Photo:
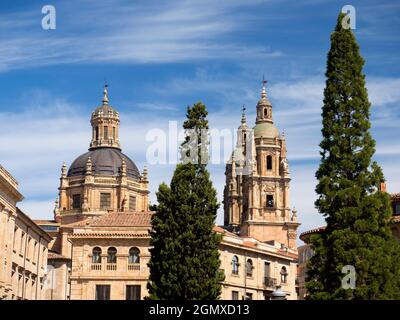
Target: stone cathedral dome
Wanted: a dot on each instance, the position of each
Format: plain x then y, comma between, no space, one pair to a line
105,161
104,153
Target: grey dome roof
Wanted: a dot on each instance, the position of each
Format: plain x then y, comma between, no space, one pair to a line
105,161
266,130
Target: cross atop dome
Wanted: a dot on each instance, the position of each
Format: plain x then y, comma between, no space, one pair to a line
263,90
243,114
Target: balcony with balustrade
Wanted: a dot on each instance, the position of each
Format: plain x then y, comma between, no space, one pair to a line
270,283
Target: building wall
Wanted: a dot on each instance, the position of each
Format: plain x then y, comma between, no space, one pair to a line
23,247
57,280
86,275
259,283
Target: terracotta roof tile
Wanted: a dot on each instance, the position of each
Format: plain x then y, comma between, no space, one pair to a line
122,219
249,244
52,255
76,224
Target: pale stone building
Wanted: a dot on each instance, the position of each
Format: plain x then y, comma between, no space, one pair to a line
100,246
23,247
256,195
254,269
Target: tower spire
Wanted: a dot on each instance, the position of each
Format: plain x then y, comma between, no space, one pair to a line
105,95
263,90
243,115
105,124
264,107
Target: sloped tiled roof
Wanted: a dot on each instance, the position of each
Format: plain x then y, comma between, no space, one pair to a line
52,255
122,219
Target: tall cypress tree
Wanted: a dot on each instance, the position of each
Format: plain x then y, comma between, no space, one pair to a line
184,260
357,213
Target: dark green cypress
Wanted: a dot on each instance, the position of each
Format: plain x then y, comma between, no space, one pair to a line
184,260
357,213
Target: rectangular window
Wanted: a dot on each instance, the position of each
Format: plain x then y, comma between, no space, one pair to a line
235,295
22,244
397,208
29,249
270,201
249,296
133,292
15,239
105,200
76,201
35,251
103,292
114,133
97,133
269,162
132,203
105,133
266,269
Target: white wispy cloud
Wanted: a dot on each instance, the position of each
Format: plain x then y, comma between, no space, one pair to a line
139,32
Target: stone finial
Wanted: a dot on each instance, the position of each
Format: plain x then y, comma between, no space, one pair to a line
89,166
145,173
285,165
294,214
56,210
124,204
105,95
85,205
64,170
123,168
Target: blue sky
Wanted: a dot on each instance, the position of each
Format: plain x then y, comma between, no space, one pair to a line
160,56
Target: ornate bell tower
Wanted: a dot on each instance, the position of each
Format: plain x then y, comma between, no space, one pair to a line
105,125
256,195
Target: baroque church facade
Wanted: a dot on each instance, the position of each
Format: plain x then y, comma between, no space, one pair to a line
256,195
100,231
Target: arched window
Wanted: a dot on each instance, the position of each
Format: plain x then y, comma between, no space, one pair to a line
112,255
96,255
235,265
269,162
284,275
134,255
265,113
97,133
249,268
